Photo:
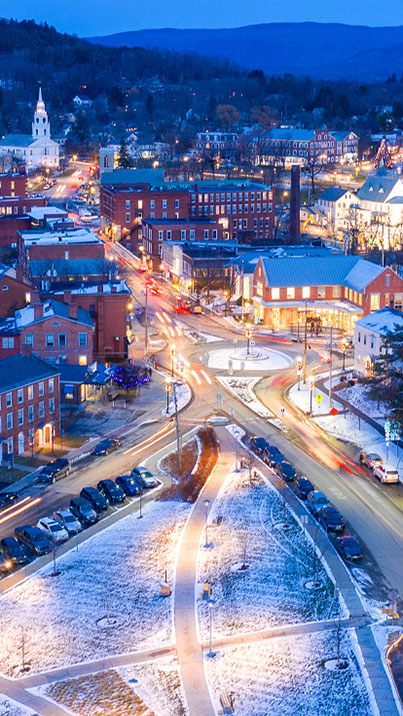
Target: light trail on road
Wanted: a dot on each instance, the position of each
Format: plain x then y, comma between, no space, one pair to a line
24,508
206,376
152,440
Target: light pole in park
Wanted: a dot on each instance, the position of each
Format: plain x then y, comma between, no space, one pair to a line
343,352
172,359
299,371
249,335
168,391
206,504
311,389
210,609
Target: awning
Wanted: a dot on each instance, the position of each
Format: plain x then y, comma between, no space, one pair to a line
306,305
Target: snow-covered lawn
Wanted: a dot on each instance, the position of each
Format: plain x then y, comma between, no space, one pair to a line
357,395
346,425
242,388
157,690
262,359
114,576
183,397
9,707
272,589
288,677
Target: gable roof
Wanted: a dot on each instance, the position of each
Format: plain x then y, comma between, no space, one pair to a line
350,271
377,188
333,193
17,140
293,135
382,321
51,309
19,370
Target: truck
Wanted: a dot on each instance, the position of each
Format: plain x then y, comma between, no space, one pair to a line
184,305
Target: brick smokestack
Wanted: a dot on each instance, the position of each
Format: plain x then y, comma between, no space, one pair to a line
295,203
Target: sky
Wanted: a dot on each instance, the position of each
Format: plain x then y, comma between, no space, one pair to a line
103,17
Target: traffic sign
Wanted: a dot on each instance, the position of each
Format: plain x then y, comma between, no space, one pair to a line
282,411
252,343
333,411
319,399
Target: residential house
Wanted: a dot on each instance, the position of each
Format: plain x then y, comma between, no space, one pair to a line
369,337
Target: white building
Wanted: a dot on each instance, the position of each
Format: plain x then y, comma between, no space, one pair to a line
37,149
369,337
334,205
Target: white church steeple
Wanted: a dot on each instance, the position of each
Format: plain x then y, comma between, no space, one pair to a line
41,124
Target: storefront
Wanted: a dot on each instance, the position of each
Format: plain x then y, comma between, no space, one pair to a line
317,315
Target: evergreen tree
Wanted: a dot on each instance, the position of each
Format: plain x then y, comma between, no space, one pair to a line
124,160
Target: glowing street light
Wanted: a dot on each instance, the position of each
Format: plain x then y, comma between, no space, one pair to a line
172,359
299,371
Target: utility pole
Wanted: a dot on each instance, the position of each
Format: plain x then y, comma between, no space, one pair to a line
242,297
305,339
146,322
177,430
331,367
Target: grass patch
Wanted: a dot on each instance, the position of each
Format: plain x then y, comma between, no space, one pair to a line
194,473
31,463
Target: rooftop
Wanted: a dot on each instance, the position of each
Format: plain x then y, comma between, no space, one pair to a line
132,176
46,237
19,370
88,287
41,212
332,270
378,188
195,221
333,193
76,268
382,321
51,308
17,140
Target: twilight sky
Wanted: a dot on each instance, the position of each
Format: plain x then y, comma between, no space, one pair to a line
103,17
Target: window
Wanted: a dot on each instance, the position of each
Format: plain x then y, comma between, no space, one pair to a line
9,421
82,360
140,204
259,288
206,234
365,339
28,293
387,299
82,339
127,218
42,409
21,416
66,255
169,234
30,391
20,395
275,294
214,234
387,280
62,340
51,385
374,302
176,203
41,388
152,204
7,342
50,340
359,337
9,400
290,292
30,413
4,288
306,291
191,234
29,339
336,291
51,405
164,203
398,300
321,292
127,203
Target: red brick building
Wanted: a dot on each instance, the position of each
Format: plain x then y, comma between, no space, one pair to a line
297,146
13,184
334,290
245,209
108,303
15,292
63,245
57,332
29,404
155,231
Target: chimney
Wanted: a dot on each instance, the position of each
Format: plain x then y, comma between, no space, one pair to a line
67,297
73,311
19,272
295,203
38,311
34,297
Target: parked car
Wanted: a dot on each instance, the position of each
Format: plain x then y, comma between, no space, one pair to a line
348,547
302,487
386,473
129,485
54,470
12,550
259,445
315,501
97,499
106,446
144,477
68,521
33,539
8,499
285,470
273,455
331,519
112,492
53,529
84,511
5,565
370,459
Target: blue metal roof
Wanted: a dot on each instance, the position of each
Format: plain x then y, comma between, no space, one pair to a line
19,370
350,271
377,188
333,193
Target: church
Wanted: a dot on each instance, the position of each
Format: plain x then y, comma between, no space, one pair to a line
36,149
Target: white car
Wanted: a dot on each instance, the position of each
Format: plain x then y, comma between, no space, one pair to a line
386,473
67,520
53,529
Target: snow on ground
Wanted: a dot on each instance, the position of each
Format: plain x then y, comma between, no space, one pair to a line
346,425
157,690
116,574
9,707
271,590
357,395
262,359
242,388
183,397
285,677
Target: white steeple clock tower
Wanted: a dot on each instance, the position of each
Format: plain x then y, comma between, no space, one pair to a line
41,124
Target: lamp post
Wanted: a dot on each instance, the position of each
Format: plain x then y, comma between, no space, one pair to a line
172,359
343,351
140,516
210,608
248,339
132,683
206,504
299,371
311,389
168,391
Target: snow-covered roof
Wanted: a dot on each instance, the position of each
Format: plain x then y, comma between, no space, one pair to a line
41,212
73,236
26,316
17,140
331,270
382,321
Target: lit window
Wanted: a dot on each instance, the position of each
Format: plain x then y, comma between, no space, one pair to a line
321,291
374,302
290,292
82,360
306,292
30,391
275,294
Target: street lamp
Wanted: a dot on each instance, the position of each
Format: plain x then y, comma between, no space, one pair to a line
132,683
311,389
172,359
299,371
343,350
210,608
168,391
248,338
206,504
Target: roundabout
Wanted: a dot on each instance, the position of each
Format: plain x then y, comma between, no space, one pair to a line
257,359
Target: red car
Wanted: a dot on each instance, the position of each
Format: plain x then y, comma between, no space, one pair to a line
73,186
